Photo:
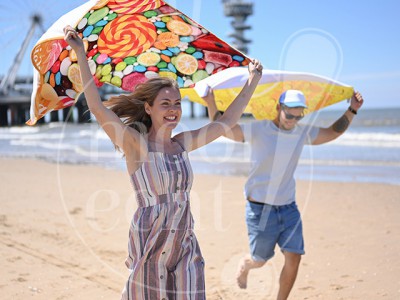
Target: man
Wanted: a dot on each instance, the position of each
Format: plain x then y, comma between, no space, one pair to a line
272,215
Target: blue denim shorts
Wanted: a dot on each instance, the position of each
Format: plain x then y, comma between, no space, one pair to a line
269,225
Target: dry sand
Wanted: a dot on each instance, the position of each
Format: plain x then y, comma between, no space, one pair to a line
64,232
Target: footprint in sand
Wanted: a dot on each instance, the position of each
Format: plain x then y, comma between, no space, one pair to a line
307,288
14,259
3,221
337,287
75,211
21,279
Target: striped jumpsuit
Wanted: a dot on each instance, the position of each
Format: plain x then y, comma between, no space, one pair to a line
164,256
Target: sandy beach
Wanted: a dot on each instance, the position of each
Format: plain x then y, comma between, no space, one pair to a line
64,232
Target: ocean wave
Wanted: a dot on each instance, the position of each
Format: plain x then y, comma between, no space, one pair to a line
60,147
350,163
368,139
36,136
98,134
305,162
373,139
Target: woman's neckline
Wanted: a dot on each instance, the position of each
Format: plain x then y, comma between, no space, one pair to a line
184,152
172,154
182,149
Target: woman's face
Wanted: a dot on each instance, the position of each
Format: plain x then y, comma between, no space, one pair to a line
166,111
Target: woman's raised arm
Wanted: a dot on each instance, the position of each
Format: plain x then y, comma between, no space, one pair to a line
197,138
123,136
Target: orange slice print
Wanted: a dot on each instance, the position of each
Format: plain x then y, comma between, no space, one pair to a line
169,39
148,59
179,27
186,64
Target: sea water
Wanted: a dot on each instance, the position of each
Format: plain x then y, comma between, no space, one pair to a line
369,151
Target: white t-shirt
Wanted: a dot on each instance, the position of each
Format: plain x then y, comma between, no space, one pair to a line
274,157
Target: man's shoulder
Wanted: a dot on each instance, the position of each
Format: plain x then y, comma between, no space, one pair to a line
308,131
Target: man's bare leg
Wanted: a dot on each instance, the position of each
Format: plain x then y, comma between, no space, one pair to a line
245,265
288,274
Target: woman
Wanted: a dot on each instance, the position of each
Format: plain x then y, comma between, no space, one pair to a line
164,255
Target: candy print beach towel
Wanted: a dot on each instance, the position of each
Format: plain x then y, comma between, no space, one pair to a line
127,42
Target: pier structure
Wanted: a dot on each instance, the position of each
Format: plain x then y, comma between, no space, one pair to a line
15,91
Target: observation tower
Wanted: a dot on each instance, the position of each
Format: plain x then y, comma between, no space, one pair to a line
239,10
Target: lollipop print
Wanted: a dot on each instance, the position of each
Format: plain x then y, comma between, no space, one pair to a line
133,6
127,36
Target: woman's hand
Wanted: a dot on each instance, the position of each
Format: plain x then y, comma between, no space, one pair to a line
73,39
255,68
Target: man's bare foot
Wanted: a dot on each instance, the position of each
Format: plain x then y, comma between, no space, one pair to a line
243,271
245,265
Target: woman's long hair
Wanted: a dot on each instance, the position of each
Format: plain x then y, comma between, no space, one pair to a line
130,107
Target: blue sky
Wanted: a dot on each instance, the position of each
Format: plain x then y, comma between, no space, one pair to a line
356,42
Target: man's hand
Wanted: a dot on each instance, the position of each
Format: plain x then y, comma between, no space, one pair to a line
213,112
356,101
210,97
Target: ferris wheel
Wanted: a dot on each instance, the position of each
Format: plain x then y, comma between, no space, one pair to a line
21,25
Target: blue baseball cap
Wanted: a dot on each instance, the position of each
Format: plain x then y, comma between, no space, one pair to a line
293,98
